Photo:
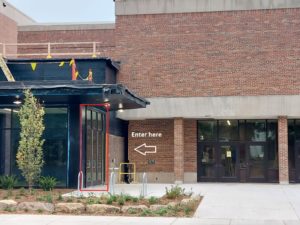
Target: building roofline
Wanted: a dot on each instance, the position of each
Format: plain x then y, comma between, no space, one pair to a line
16,15
68,26
139,7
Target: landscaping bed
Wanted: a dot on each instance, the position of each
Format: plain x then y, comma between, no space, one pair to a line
175,203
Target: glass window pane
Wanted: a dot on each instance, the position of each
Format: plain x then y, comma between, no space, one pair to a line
297,130
272,130
228,160
207,159
56,144
256,130
291,141
228,130
207,130
256,161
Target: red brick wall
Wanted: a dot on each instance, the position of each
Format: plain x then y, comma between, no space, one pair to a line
178,149
210,54
8,33
190,146
106,37
164,158
283,156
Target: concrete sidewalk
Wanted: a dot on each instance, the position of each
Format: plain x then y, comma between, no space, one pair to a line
101,220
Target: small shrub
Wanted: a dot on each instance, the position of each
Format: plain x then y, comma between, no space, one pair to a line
32,192
8,182
132,211
152,200
9,209
92,200
109,201
113,198
127,197
22,192
40,211
174,192
187,210
60,198
46,198
121,200
17,196
146,212
47,183
69,200
135,199
161,212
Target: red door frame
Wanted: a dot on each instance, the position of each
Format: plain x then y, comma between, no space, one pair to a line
107,108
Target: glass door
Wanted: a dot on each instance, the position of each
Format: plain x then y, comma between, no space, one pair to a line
229,163
297,162
256,163
95,147
207,162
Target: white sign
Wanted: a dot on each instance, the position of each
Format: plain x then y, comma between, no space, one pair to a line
145,135
146,149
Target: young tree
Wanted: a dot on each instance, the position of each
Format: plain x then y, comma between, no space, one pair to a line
30,152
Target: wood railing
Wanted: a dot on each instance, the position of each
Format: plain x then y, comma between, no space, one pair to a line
52,50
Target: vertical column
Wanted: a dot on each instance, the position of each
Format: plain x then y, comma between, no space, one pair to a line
283,154
178,150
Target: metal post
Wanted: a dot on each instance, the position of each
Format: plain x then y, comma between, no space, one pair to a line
49,51
94,50
144,187
80,178
112,183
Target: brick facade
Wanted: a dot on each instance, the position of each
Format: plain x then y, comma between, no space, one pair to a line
210,54
105,37
164,158
283,156
8,33
179,150
190,146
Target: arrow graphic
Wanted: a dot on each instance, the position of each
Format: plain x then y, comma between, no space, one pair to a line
144,149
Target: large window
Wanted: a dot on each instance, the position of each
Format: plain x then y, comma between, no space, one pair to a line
207,130
55,147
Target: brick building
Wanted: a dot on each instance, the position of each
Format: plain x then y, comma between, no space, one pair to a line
222,79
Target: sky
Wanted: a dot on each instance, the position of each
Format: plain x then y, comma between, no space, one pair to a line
59,11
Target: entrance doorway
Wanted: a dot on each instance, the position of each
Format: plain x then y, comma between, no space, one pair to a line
218,162
94,142
232,162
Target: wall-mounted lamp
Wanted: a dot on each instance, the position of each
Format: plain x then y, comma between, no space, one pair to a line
17,101
228,122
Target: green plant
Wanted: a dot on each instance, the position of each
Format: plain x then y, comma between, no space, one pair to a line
30,153
45,198
127,197
152,200
8,182
32,192
174,192
92,200
69,200
146,212
187,210
109,201
22,192
161,212
47,183
121,200
135,199
113,197
132,211
60,198
40,211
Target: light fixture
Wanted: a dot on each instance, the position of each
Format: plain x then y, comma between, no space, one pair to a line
17,101
120,106
106,100
120,110
228,122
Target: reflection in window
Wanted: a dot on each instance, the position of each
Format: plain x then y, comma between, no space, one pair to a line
228,130
207,161
56,144
256,130
207,130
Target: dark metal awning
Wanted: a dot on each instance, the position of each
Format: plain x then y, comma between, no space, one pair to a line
72,92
